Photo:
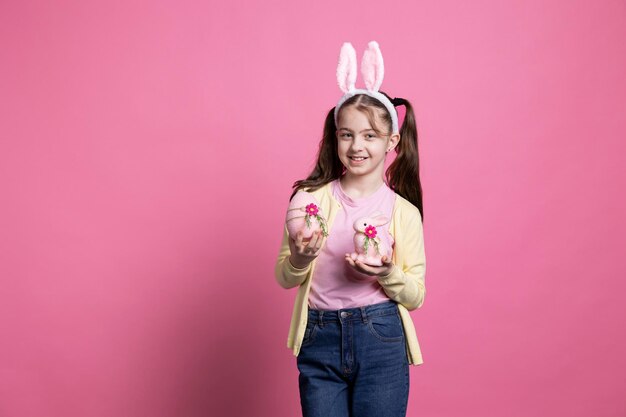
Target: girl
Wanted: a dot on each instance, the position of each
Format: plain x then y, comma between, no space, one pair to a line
350,329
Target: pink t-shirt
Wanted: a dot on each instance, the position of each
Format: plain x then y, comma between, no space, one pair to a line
335,284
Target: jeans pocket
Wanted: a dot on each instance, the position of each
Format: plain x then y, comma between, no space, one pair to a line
309,334
387,328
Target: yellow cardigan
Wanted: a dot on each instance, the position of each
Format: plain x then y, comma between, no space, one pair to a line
405,283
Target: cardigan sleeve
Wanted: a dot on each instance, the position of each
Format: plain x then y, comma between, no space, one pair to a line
405,283
287,275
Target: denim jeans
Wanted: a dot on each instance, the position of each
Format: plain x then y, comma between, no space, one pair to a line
353,362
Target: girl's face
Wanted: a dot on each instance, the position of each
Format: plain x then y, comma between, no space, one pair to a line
360,149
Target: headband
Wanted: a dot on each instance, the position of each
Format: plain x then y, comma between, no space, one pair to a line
373,71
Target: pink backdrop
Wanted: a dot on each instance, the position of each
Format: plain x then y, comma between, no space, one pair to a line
148,151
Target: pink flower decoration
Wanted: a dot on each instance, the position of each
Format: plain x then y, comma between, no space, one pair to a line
370,231
311,209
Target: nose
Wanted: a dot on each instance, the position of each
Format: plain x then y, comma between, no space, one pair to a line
357,143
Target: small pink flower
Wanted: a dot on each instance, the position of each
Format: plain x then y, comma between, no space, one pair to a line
370,231
311,209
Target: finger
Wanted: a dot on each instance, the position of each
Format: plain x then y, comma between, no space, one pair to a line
364,268
313,246
316,244
292,246
314,239
359,265
320,242
299,239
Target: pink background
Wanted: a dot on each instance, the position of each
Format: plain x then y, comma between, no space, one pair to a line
148,150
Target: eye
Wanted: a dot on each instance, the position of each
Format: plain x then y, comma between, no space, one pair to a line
343,135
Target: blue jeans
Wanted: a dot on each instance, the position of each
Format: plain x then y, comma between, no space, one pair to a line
353,362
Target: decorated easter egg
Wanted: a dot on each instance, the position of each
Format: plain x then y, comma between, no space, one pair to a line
304,214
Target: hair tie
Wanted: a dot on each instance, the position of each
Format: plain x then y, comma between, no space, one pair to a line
373,72
397,101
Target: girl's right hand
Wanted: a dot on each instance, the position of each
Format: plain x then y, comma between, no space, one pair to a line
302,254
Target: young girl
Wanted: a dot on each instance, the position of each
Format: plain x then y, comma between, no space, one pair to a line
350,329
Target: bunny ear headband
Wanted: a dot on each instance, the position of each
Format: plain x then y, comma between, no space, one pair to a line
373,71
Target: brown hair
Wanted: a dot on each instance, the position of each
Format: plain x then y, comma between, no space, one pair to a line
403,173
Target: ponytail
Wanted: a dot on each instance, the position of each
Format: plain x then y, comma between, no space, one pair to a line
403,174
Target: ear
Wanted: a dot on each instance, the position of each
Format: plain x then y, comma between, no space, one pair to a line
380,220
393,141
372,66
346,69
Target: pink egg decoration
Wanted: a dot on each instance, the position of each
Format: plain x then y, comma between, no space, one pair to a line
371,242
304,214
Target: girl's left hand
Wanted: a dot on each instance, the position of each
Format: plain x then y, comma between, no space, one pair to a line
379,271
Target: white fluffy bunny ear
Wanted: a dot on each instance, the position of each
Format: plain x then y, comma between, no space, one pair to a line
381,220
346,69
372,66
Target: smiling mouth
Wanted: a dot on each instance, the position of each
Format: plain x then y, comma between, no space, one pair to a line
361,158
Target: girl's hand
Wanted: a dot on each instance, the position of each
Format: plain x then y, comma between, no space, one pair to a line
302,254
377,271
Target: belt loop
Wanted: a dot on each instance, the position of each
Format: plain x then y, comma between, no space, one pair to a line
320,318
363,314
